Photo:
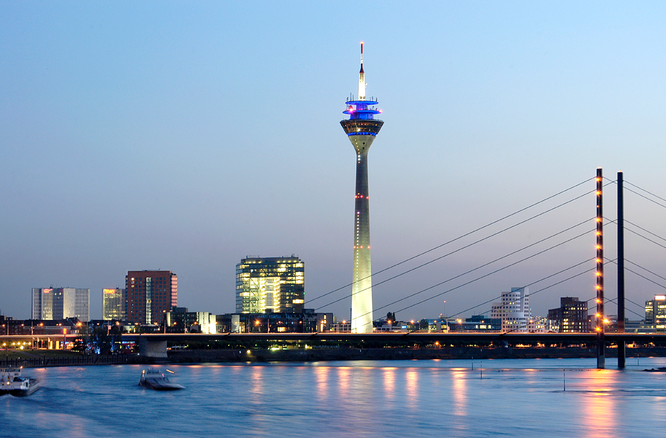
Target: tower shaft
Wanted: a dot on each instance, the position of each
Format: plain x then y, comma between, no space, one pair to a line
361,317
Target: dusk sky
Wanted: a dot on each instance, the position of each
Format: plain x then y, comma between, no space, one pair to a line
185,136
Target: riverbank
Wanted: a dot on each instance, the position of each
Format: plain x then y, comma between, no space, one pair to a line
51,358
336,354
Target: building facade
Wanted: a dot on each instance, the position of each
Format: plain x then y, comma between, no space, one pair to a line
150,294
272,284
114,304
655,313
570,317
307,321
514,310
60,303
180,320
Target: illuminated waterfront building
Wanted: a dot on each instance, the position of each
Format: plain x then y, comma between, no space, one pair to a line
571,316
150,294
271,284
361,129
180,320
114,304
514,310
61,303
655,313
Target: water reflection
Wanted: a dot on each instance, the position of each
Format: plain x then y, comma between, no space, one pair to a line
459,398
391,398
389,384
321,383
412,388
599,403
256,383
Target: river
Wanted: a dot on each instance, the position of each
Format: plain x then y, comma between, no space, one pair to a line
524,397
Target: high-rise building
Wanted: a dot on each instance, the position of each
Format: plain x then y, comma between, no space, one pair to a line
514,310
114,304
150,294
655,312
61,303
272,284
571,316
361,129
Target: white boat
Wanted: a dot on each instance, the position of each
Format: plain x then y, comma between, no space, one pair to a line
13,383
156,380
6,377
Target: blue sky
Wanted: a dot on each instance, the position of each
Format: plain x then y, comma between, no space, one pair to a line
185,136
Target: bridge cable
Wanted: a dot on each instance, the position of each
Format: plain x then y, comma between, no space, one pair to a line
468,234
646,238
540,280
647,231
471,281
481,266
471,244
646,191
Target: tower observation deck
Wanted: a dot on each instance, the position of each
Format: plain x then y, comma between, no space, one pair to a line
361,129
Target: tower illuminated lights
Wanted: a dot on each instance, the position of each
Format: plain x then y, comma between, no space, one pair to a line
361,129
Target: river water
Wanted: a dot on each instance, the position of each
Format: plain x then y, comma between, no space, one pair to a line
543,397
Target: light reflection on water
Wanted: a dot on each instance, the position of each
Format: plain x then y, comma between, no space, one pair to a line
599,418
455,398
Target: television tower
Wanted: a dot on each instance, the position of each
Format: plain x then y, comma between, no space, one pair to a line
361,128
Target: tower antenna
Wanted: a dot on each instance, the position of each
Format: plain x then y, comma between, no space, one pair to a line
361,78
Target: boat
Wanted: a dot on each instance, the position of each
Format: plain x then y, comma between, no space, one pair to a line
6,377
154,379
15,384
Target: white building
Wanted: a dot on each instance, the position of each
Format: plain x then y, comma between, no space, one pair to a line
61,303
514,310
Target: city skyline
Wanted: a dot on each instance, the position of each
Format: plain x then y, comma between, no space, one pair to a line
124,123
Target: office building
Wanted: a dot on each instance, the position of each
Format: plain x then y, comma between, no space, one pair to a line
273,284
114,304
60,303
180,320
655,313
570,317
361,129
307,321
514,310
150,294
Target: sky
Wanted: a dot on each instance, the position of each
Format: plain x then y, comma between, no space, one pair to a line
185,136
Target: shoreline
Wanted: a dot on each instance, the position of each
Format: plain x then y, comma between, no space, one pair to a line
262,355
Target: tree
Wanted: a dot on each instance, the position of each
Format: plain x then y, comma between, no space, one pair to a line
423,324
